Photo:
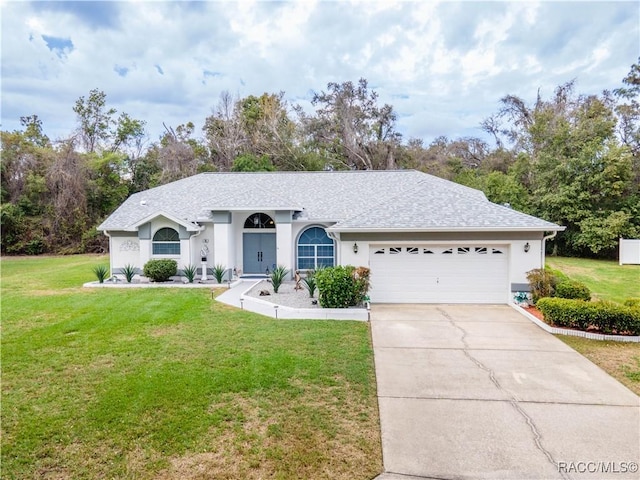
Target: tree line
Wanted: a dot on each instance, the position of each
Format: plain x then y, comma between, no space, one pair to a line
572,159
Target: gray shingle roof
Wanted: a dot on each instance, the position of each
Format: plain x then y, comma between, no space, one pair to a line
425,208
404,199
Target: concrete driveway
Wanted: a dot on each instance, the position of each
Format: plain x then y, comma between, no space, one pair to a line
480,392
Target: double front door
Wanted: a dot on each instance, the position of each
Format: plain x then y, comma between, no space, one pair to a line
259,252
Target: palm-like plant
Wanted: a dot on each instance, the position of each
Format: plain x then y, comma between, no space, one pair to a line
277,277
310,282
129,271
218,272
190,272
101,272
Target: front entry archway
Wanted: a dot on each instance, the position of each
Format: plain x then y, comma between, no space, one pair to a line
259,245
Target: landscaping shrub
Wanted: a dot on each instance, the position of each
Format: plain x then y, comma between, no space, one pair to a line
560,276
542,283
218,272
572,289
190,272
102,272
342,286
632,302
310,282
129,272
277,277
160,270
607,317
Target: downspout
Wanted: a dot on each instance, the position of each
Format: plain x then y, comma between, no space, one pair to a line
191,244
110,256
544,244
336,238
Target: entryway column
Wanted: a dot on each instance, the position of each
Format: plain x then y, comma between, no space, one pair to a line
284,242
222,240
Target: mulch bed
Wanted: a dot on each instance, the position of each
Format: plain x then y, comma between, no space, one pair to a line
535,312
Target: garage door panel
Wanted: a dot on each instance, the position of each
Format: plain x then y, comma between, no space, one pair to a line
439,274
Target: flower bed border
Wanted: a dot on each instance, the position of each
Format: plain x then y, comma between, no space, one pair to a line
576,333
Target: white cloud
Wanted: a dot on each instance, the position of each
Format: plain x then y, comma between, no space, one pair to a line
443,65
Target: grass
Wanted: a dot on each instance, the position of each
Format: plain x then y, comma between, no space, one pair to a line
166,383
606,279
621,360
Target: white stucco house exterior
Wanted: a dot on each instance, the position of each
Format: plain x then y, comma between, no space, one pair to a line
425,239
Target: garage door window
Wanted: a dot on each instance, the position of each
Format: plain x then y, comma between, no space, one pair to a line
315,249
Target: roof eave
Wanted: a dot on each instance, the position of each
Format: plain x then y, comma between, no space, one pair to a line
551,228
188,224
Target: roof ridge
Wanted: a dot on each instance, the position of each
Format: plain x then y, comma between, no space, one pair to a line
303,172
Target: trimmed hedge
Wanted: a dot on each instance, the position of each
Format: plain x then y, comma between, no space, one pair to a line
160,270
572,289
632,302
607,317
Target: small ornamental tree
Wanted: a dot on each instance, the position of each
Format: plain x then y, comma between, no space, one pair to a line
542,283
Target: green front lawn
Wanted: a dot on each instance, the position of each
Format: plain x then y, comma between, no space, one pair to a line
166,383
621,360
606,279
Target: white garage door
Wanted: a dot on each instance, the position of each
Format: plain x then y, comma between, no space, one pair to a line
439,274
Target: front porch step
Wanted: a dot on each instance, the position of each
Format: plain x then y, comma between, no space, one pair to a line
254,276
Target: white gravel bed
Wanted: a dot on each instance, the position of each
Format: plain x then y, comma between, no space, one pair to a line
287,296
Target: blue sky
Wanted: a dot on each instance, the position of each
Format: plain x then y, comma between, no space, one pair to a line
442,65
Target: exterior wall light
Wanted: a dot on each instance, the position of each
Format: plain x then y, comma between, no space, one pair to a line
355,248
527,247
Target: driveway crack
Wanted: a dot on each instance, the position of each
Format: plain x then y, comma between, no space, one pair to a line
513,400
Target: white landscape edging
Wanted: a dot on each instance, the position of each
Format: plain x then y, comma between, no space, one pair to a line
270,309
144,285
575,333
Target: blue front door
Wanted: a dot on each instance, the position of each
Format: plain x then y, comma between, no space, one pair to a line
259,252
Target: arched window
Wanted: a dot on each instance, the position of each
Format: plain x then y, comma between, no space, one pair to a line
259,220
315,249
166,241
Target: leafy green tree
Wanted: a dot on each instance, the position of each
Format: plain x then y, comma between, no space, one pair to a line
99,130
570,160
129,134
251,163
33,131
106,188
145,170
600,233
95,119
629,109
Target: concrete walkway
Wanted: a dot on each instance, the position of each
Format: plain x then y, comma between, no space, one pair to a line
479,392
237,297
